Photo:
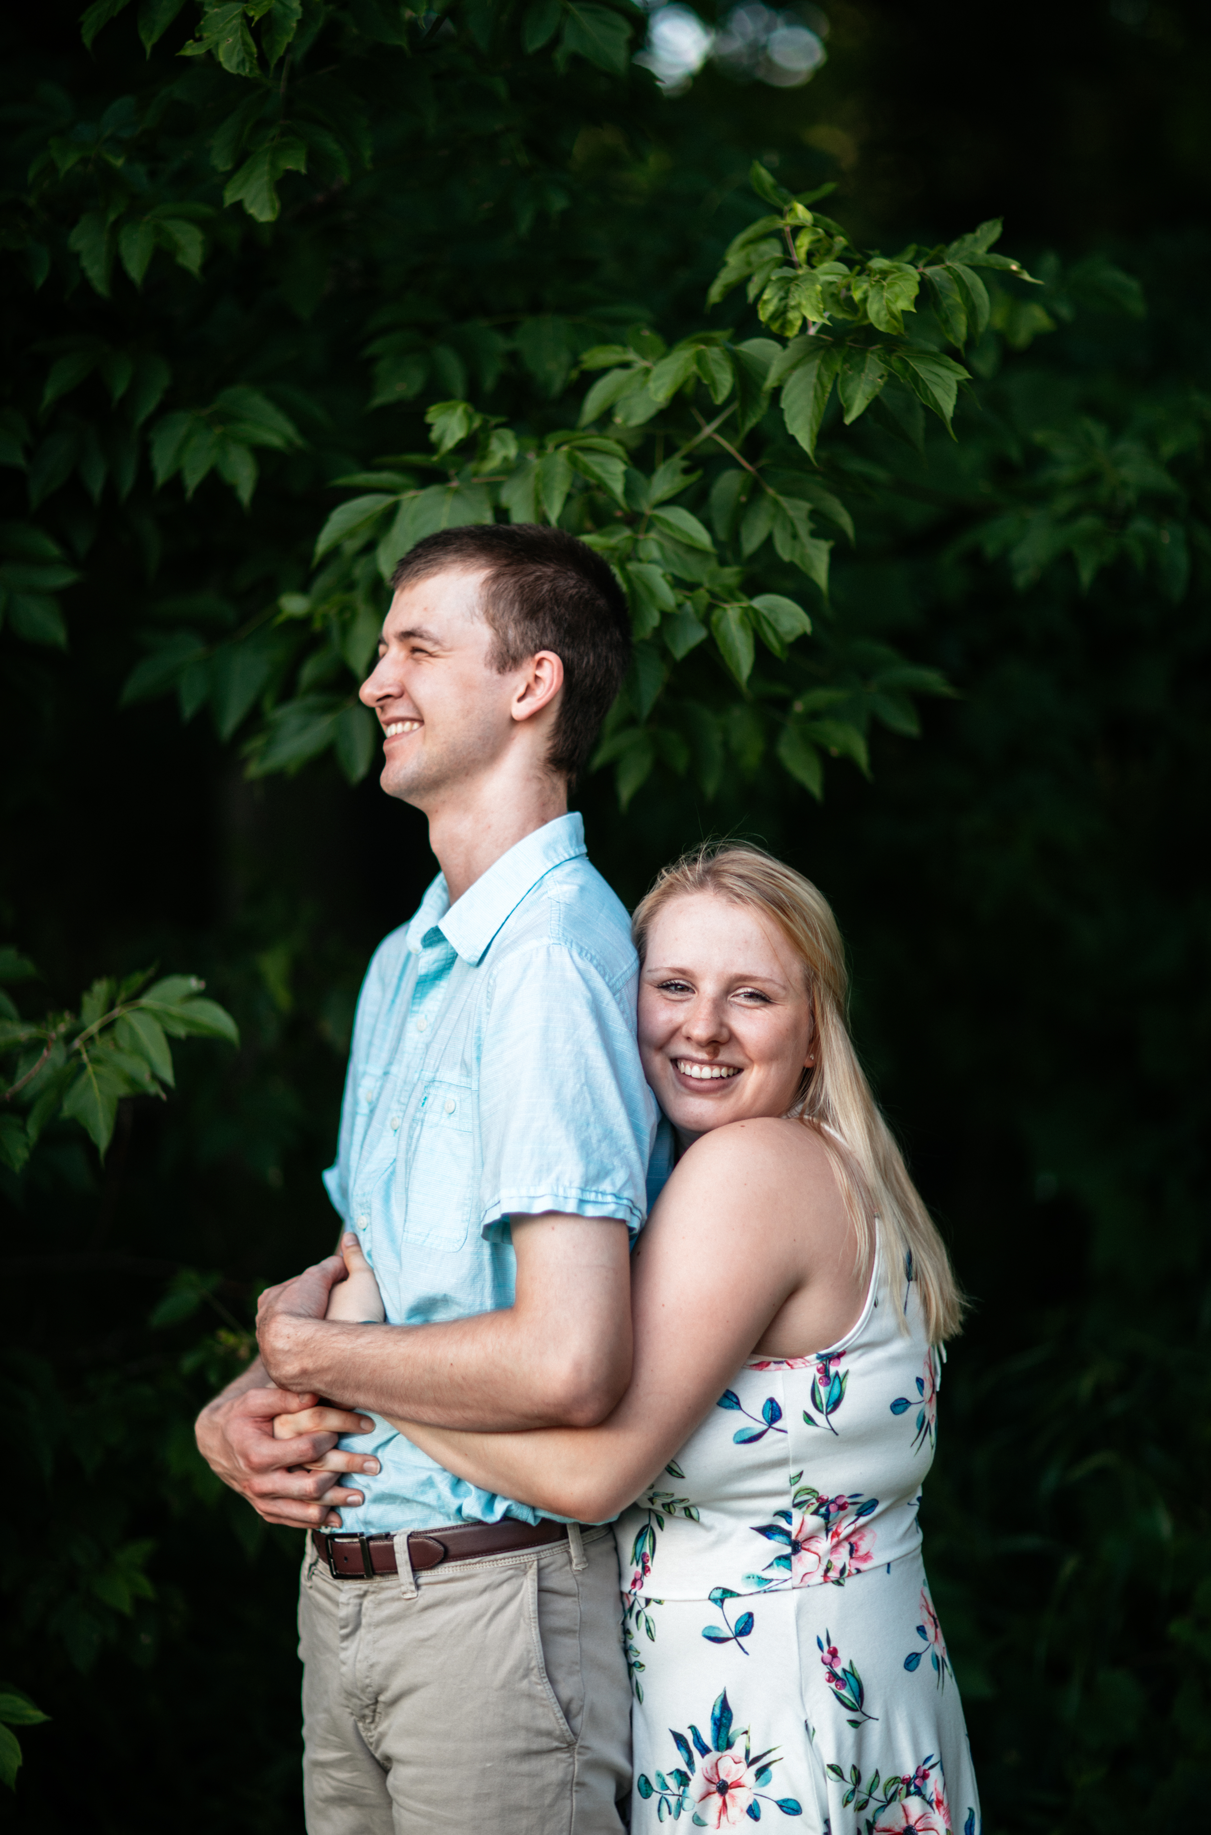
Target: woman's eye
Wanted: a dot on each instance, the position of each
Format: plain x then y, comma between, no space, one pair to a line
752,994
674,987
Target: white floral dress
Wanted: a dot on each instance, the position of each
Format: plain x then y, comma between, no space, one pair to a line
786,1657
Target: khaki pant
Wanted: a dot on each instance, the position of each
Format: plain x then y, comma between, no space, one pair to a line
485,1695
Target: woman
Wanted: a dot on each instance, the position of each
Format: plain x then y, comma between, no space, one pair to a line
785,1655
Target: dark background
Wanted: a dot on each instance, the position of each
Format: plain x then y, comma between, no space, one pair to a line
1024,891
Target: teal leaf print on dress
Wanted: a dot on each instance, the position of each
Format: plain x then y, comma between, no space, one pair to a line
845,1682
827,1391
716,1784
762,1424
926,1404
935,1643
910,1805
734,1633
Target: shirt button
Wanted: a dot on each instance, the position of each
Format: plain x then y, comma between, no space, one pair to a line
421,1023
395,1121
451,1105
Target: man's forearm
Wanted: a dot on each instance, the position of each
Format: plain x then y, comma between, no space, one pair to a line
486,1372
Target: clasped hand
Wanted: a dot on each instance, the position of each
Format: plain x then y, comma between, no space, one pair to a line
277,1445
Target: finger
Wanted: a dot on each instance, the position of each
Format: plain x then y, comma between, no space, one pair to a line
257,1403
266,1456
301,1486
354,1258
296,1516
337,1461
320,1420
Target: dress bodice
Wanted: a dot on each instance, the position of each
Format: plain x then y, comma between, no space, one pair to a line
807,1470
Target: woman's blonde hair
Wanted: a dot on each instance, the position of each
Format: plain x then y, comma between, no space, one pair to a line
834,1098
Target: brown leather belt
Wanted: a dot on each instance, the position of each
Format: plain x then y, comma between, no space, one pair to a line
358,1557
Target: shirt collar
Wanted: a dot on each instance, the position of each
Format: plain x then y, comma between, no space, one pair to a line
470,924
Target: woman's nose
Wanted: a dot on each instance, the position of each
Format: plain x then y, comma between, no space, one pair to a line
705,1023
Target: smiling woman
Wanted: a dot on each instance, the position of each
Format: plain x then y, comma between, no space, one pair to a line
790,1296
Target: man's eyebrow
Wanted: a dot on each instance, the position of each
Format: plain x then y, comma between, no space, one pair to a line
414,631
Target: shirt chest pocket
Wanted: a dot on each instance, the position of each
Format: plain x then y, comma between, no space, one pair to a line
440,1186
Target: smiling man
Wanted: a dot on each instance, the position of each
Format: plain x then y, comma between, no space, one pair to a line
463,1664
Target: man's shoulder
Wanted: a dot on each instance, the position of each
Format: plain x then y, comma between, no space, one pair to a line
573,909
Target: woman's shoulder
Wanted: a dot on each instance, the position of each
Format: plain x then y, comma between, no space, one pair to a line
767,1150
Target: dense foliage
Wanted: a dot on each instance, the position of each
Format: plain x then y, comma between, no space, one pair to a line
347,272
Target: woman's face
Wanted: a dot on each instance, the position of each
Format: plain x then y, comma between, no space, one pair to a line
725,1022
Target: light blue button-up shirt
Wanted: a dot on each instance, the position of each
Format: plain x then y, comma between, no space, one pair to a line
494,1070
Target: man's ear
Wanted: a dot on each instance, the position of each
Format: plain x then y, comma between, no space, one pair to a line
540,681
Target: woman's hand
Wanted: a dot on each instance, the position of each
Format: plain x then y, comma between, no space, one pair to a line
356,1299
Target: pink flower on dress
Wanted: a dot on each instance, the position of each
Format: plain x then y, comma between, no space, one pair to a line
780,1363
933,1630
911,1813
810,1546
724,1792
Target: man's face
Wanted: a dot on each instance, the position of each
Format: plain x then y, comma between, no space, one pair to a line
443,707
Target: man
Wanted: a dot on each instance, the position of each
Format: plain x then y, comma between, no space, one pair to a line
462,1657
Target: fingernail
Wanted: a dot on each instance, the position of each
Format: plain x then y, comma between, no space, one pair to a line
370,1465
366,1424
355,1497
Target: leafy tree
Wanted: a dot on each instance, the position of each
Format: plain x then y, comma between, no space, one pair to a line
266,263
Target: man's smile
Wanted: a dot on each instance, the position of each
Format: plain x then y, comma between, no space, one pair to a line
401,726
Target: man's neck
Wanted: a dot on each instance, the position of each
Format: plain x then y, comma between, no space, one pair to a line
471,831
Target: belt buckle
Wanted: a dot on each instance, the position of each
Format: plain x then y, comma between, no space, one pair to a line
363,1541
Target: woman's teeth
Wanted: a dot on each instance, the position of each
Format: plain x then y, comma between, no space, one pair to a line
400,726
707,1073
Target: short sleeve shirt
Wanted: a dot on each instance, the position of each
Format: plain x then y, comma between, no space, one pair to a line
494,1072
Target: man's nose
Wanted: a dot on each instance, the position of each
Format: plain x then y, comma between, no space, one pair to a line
377,685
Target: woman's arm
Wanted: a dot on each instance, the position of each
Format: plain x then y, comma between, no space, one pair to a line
751,1219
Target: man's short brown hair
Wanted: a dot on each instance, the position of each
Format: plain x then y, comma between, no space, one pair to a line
544,591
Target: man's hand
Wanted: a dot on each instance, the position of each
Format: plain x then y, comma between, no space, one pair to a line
280,1311
236,1438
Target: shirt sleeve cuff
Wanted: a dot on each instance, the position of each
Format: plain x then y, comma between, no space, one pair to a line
494,1223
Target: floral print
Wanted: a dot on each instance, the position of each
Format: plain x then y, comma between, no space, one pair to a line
935,1643
716,1784
926,1403
778,1566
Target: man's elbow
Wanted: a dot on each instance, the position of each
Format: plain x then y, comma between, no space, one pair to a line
583,1389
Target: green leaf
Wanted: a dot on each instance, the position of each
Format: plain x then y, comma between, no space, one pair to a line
670,373
357,734
10,1746
651,596
634,767
92,1100
155,17
781,620
239,671
975,298
254,185
254,418
600,468
805,395
683,631
683,527
933,378
37,619
608,389
14,966
766,186
67,373
160,671
519,492
282,22
184,241
151,377
733,634
863,373
91,21
538,24
171,990
598,34
799,756
92,240
842,739
978,242
356,517
14,1149
949,304
140,1031
450,423
206,1018
296,731
554,483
